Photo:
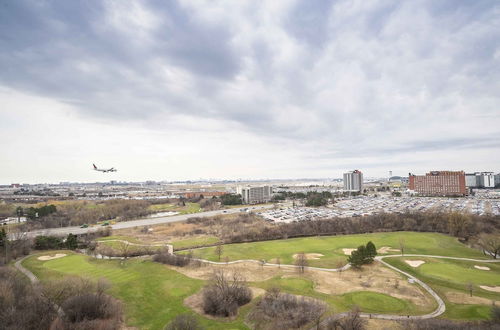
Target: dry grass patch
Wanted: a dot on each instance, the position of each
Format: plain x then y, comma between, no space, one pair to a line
464,298
250,270
374,278
310,256
387,249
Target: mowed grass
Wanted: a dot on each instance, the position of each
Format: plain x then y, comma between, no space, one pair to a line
152,294
194,242
454,275
331,247
120,238
187,209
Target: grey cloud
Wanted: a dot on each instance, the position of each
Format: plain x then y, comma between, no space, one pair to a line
346,77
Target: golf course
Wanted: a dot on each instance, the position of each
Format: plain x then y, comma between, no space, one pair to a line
153,293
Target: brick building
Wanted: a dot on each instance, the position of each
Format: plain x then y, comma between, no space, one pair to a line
439,183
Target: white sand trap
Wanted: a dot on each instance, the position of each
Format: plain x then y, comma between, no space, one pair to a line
481,267
490,288
310,256
387,249
415,263
56,256
348,252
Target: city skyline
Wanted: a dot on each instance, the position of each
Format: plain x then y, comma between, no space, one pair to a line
277,90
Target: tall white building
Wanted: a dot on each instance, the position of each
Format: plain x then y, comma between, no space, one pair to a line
253,195
487,180
353,181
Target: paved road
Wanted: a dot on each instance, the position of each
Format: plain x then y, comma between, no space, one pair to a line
26,272
143,222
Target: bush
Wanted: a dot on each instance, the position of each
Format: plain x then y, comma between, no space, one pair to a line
278,310
172,259
48,243
223,296
184,322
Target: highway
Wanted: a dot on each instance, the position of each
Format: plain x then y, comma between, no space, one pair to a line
143,221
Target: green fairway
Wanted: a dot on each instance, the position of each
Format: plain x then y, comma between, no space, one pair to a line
467,312
187,209
120,238
194,242
331,247
373,302
152,293
454,275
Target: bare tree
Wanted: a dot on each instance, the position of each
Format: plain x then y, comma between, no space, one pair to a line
278,261
490,243
470,287
352,321
402,245
124,248
301,262
219,249
223,295
340,267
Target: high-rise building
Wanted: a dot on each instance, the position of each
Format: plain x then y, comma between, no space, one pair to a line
487,180
353,181
253,195
439,183
480,180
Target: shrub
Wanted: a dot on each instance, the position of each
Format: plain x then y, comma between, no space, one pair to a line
184,322
223,295
172,259
278,310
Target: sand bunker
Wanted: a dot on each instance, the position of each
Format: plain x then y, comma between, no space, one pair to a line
490,288
348,252
387,249
481,267
415,263
56,256
310,256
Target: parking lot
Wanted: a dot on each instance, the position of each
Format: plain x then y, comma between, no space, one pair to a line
363,206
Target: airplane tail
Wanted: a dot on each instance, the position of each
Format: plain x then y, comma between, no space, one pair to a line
95,167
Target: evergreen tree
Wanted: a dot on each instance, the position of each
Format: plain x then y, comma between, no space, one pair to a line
371,251
3,237
71,242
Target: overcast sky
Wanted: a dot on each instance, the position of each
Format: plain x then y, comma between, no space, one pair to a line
173,90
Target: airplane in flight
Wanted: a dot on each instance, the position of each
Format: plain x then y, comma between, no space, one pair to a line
104,170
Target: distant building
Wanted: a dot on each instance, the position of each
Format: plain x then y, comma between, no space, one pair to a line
204,194
253,195
471,180
487,180
439,183
497,180
480,180
353,181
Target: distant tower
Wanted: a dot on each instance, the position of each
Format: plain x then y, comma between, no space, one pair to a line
390,174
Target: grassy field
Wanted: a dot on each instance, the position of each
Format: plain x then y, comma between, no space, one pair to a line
187,209
121,238
152,293
453,276
331,247
193,242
